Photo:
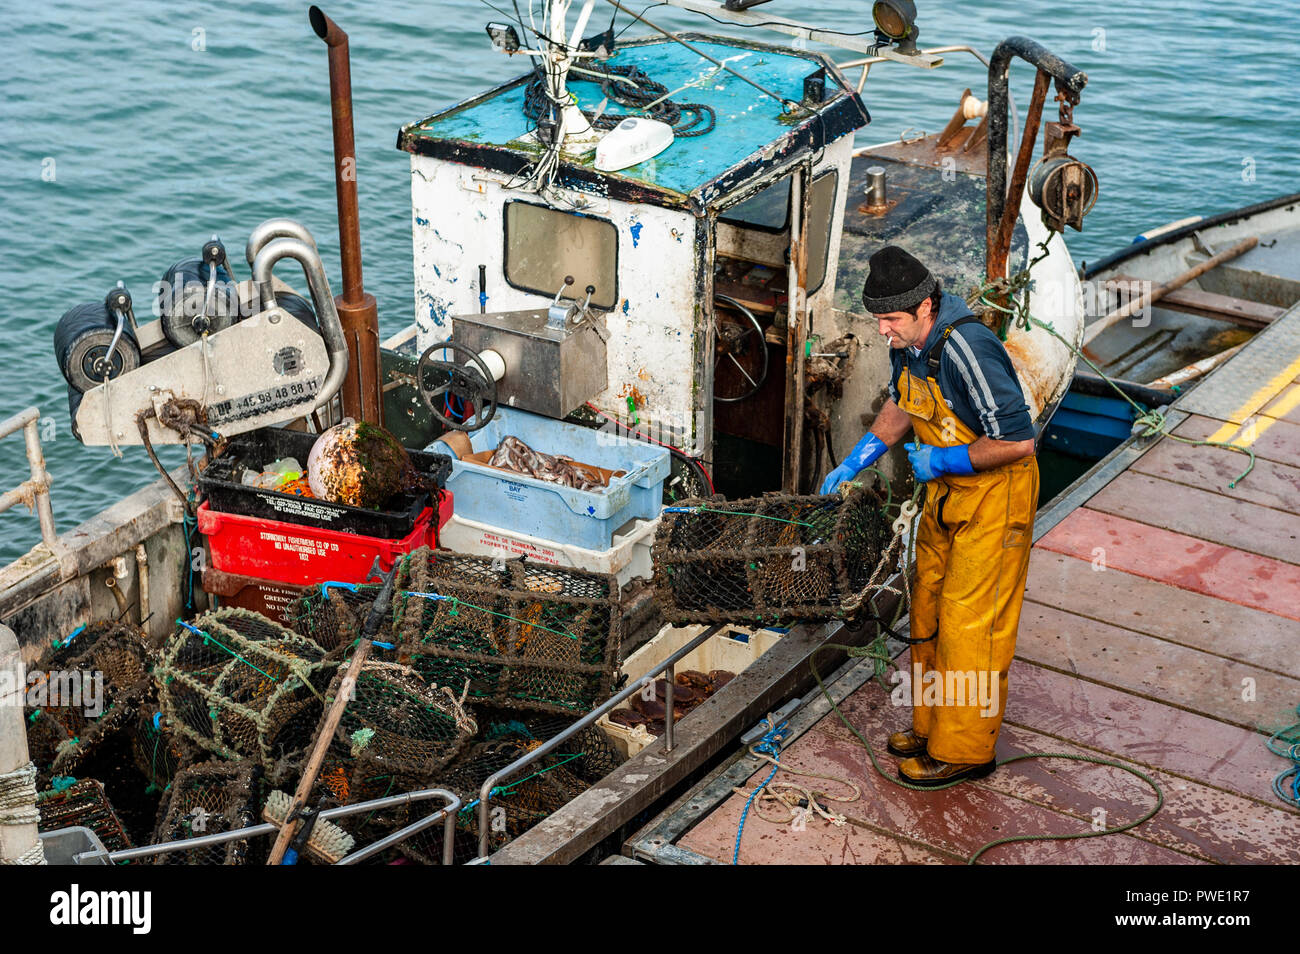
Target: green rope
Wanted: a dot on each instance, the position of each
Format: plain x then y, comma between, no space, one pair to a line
504,789
209,638
744,513
866,651
1152,420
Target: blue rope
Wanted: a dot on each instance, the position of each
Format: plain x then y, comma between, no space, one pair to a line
1287,749
64,643
770,744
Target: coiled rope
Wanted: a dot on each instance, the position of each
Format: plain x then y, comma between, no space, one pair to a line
18,807
633,89
1285,743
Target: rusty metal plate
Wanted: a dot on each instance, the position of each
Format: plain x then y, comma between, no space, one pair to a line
1109,720
1275,440
1185,562
1212,468
1197,819
955,822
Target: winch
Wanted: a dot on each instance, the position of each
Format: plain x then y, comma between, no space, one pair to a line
222,356
548,361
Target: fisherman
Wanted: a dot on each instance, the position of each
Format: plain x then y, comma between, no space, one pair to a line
952,384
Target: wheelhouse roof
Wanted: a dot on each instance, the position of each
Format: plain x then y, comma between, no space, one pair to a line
753,131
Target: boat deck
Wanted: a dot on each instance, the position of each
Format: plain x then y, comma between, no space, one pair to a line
1161,629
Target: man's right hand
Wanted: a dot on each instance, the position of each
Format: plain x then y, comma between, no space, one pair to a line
868,450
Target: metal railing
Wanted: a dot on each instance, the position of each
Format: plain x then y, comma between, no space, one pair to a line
35,493
667,667
446,814
866,64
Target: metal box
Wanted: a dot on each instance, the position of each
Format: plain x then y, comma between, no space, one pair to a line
550,371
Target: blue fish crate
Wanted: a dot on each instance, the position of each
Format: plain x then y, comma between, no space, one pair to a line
585,518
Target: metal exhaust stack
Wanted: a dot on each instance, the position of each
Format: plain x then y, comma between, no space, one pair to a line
357,310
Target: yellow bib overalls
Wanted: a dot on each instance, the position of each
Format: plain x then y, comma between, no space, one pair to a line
972,557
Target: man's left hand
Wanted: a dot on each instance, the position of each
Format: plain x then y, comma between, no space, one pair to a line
929,461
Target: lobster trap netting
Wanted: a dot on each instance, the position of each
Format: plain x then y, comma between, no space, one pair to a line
158,751
772,559
518,804
83,803
516,634
87,688
239,685
208,799
396,725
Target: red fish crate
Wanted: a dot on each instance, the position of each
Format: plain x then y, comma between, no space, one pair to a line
302,555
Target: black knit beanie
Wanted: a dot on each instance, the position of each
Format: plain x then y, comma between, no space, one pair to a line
896,281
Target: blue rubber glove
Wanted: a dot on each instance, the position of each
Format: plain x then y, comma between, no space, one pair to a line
866,453
929,462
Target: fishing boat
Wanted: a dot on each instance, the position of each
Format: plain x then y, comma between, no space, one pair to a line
1168,309
650,249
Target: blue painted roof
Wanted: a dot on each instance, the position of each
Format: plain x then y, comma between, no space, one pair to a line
747,119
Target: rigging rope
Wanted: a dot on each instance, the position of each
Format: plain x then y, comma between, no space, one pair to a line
1018,315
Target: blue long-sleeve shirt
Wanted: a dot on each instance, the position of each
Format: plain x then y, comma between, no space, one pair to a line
976,376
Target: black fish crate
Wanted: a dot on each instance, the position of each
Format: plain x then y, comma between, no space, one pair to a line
767,560
220,483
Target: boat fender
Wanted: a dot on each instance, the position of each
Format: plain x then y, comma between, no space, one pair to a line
81,342
182,293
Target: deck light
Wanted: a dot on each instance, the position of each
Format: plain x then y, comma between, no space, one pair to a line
896,19
504,37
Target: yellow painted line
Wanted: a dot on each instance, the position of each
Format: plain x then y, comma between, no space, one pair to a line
1258,400
1289,401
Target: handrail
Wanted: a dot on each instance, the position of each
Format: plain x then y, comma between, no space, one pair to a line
447,814
327,316
35,492
485,791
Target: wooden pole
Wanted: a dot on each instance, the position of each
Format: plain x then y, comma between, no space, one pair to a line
1125,311
378,610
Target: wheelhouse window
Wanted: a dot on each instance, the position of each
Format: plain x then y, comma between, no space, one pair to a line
543,245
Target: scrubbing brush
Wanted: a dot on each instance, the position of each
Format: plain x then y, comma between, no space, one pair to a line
326,841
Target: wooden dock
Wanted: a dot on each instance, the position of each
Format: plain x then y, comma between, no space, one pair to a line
1161,629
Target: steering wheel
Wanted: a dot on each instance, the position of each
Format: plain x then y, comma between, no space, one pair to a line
741,345
470,382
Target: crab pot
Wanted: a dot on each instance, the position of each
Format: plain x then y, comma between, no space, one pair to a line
396,724
84,803
769,560
518,634
93,686
159,753
208,799
539,791
241,686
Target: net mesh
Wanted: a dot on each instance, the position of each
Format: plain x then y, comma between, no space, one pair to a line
84,803
517,634
770,559
239,685
519,802
208,799
87,688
